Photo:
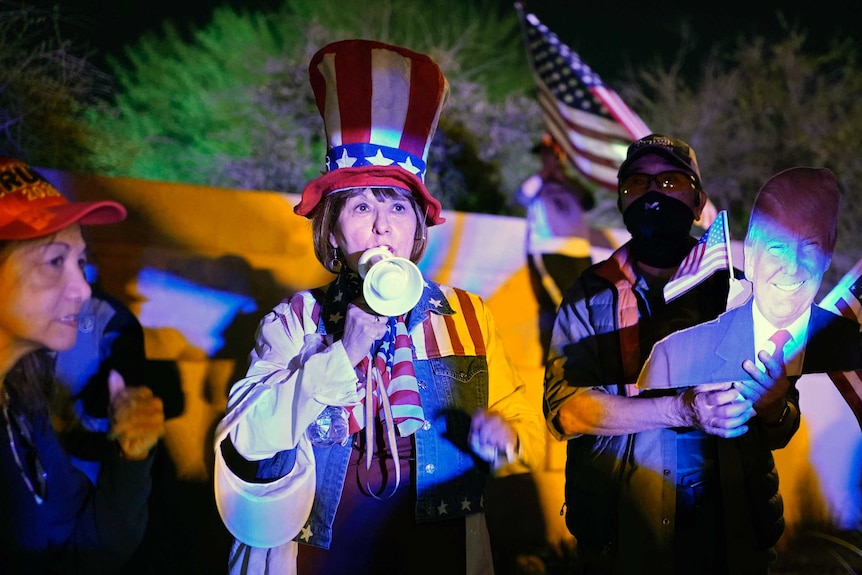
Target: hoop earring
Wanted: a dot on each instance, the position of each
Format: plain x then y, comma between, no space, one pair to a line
335,262
424,235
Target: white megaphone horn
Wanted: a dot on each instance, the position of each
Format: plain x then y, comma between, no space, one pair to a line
393,285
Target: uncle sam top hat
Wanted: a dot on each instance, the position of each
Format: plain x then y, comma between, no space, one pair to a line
380,106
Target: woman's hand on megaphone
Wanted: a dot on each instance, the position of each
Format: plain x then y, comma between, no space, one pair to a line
361,329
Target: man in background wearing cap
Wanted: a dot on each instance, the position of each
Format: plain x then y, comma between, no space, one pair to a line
604,331
558,233
763,346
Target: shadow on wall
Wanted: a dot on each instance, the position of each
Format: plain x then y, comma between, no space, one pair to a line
185,533
225,298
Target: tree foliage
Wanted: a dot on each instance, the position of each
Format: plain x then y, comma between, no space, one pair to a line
185,105
761,108
44,90
230,104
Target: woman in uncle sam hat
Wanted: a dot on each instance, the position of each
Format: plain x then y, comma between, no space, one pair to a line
373,409
53,519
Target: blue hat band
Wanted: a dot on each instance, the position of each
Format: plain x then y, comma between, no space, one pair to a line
363,154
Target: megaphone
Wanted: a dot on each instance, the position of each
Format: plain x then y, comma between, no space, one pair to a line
393,285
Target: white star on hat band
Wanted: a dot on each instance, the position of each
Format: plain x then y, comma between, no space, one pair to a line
364,154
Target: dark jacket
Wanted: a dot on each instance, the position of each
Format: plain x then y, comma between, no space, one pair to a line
79,528
620,490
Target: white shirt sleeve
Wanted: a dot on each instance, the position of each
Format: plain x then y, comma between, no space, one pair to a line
293,375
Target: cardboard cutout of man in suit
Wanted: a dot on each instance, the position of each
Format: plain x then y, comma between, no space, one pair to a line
788,247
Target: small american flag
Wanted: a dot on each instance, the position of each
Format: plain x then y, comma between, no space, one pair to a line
585,117
709,255
846,299
849,385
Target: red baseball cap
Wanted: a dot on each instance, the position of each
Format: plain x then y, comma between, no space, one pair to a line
30,207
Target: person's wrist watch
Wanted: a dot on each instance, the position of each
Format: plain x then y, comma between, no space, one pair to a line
784,413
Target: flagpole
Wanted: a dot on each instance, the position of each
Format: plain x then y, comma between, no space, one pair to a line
727,243
736,291
519,7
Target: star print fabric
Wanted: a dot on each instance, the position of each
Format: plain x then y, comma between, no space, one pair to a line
388,367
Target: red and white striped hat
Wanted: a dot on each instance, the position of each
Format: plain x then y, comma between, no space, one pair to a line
380,106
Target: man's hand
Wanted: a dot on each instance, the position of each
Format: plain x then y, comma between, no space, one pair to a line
717,408
768,388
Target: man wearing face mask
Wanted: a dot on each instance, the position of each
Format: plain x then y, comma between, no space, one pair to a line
622,517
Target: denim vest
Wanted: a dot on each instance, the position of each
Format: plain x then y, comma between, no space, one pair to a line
449,478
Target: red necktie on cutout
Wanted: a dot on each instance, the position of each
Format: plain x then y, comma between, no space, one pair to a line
780,339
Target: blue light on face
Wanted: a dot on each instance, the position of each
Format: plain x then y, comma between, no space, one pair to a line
800,250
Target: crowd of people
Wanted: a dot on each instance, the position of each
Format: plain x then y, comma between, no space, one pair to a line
364,431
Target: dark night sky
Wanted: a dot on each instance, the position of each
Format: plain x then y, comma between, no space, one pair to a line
608,34
613,34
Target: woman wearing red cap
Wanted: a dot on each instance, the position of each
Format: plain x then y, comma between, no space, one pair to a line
52,519
361,437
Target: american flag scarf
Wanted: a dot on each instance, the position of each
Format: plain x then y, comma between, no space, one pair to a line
386,373
390,383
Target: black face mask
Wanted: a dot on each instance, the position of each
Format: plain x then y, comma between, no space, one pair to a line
661,229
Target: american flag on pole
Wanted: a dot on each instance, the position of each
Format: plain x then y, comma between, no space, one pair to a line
849,385
712,253
846,299
586,118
